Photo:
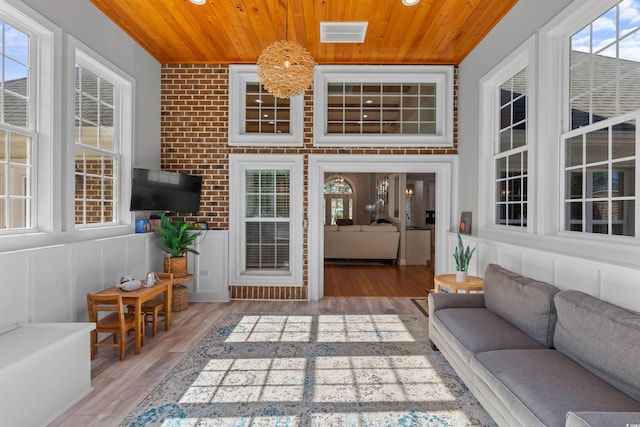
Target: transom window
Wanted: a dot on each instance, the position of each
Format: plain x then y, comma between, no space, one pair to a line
17,130
258,118
600,149
383,105
512,154
97,149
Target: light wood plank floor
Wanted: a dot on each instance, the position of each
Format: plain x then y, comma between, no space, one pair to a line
119,386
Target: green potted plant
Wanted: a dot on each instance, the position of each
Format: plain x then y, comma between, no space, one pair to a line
176,239
462,257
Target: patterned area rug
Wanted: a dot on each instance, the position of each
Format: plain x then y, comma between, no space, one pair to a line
422,304
303,370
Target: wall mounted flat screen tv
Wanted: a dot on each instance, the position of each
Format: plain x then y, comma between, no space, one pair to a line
154,190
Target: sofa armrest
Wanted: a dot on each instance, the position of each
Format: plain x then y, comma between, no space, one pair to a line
593,419
439,301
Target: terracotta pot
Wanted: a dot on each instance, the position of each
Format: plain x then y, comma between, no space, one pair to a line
176,265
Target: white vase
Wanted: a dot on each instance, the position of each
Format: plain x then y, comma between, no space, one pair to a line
461,276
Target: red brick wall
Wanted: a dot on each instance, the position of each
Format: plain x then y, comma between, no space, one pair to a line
194,134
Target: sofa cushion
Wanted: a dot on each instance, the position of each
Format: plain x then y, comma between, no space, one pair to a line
602,337
597,419
543,385
524,302
331,227
472,330
350,228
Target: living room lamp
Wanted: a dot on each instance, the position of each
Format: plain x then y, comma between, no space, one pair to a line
285,68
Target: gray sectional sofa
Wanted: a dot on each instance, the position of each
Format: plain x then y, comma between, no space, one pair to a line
537,356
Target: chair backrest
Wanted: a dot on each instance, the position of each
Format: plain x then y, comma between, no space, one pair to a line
165,276
104,303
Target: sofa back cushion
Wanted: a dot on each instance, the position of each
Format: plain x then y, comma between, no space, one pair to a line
348,228
525,303
602,337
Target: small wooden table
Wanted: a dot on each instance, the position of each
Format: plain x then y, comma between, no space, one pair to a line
137,297
473,283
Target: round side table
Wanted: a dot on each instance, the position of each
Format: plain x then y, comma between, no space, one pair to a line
473,283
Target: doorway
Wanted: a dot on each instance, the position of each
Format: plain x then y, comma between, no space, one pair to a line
444,168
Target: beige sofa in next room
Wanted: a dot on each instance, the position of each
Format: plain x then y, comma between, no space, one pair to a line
375,241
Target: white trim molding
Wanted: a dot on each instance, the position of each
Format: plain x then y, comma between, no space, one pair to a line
238,164
444,166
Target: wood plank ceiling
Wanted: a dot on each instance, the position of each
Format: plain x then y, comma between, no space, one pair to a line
236,31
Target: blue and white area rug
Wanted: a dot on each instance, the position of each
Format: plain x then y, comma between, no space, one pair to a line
320,370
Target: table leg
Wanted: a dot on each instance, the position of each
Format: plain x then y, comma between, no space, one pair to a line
138,327
168,294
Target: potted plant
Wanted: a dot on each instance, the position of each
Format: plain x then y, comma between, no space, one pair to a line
462,257
176,239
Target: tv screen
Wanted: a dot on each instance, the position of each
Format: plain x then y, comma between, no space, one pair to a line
154,190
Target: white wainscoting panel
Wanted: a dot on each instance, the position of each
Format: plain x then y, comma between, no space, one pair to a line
14,287
50,284
617,284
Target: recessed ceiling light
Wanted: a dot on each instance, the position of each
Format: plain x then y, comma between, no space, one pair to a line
410,2
201,2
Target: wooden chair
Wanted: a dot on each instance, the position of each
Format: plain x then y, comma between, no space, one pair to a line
155,307
117,323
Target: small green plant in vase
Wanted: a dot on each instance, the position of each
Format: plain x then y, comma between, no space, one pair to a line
462,257
176,239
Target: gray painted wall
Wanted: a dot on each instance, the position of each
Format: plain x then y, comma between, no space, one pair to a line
81,19
522,21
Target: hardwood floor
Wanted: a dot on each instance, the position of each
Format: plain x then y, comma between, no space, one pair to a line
119,386
387,280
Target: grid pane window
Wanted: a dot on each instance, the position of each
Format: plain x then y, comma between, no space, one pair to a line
265,113
604,67
267,220
96,149
600,176
381,108
17,131
511,158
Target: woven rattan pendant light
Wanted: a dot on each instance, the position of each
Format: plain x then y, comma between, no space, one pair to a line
285,68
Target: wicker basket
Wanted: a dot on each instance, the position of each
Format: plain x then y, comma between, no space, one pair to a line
179,298
176,265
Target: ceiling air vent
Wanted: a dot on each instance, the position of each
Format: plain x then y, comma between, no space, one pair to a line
343,32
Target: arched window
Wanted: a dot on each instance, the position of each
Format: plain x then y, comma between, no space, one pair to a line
338,200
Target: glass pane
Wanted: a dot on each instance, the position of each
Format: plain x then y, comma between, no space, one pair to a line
519,109
501,214
623,179
253,181
16,77
89,83
19,177
520,135
106,115
109,190
573,151
93,212
19,148
252,206
623,218
574,216
107,139
501,168
267,209
574,184
4,155
505,117
598,182
15,110
16,45
597,146
19,213
624,140
599,217
502,191
253,232
282,209
108,212
515,165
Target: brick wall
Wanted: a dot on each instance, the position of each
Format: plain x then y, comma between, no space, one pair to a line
194,134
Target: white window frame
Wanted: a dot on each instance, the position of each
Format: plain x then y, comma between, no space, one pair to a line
239,76
523,57
441,75
43,35
238,165
123,116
